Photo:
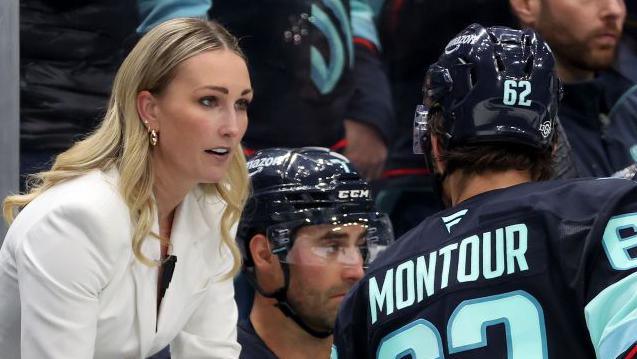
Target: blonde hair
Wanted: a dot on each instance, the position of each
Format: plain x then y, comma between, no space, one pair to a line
122,140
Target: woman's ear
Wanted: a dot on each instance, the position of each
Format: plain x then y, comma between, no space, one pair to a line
147,110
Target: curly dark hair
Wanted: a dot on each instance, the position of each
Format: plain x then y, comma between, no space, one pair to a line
482,157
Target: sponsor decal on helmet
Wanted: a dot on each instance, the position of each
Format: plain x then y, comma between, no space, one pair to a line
464,39
258,164
266,162
353,193
545,129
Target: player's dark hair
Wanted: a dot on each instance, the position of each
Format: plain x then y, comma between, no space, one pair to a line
485,157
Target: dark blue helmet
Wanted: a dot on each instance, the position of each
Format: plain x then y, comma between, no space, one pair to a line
309,185
495,84
294,188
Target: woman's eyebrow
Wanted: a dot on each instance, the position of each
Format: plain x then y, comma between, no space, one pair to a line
217,88
225,90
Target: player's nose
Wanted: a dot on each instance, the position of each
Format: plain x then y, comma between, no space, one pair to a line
353,273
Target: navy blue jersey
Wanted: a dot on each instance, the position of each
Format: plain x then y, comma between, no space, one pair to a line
252,347
537,270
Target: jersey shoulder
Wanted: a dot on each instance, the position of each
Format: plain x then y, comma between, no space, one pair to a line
252,346
573,199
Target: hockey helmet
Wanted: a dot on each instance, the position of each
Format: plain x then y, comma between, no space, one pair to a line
492,84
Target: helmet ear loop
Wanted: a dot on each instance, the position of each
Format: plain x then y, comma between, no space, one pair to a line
443,139
429,158
252,278
281,294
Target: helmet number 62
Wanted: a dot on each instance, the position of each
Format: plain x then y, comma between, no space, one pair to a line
515,92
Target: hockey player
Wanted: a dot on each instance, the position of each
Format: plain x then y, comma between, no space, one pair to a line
514,268
307,232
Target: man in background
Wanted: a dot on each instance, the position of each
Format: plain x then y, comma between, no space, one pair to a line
584,36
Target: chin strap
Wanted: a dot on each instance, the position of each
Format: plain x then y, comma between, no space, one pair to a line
438,191
281,296
285,307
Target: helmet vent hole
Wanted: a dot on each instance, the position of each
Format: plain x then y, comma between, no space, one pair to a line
528,68
347,176
527,42
493,38
472,77
499,64
307,200
308,197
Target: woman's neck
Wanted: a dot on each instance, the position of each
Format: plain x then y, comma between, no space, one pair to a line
169,191
166,205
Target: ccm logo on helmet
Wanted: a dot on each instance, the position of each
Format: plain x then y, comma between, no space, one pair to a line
353,193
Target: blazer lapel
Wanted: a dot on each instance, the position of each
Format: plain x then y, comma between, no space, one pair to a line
195,233
145,278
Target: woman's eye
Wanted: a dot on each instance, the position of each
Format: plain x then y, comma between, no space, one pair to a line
242,105
208,101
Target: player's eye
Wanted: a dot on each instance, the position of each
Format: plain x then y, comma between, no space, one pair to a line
332,249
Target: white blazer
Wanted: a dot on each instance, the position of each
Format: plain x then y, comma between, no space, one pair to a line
70,286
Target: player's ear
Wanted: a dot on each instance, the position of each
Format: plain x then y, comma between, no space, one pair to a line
260,250
268,269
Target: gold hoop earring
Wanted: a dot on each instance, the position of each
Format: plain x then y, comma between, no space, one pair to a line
154,138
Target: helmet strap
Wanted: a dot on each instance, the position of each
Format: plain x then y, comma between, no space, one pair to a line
438,178
281,297
438,192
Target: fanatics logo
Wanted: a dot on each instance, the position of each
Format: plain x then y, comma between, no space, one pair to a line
453,219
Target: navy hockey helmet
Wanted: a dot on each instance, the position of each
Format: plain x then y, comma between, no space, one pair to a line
292,188
295,188
492,84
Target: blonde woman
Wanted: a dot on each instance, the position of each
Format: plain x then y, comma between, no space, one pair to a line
86,269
